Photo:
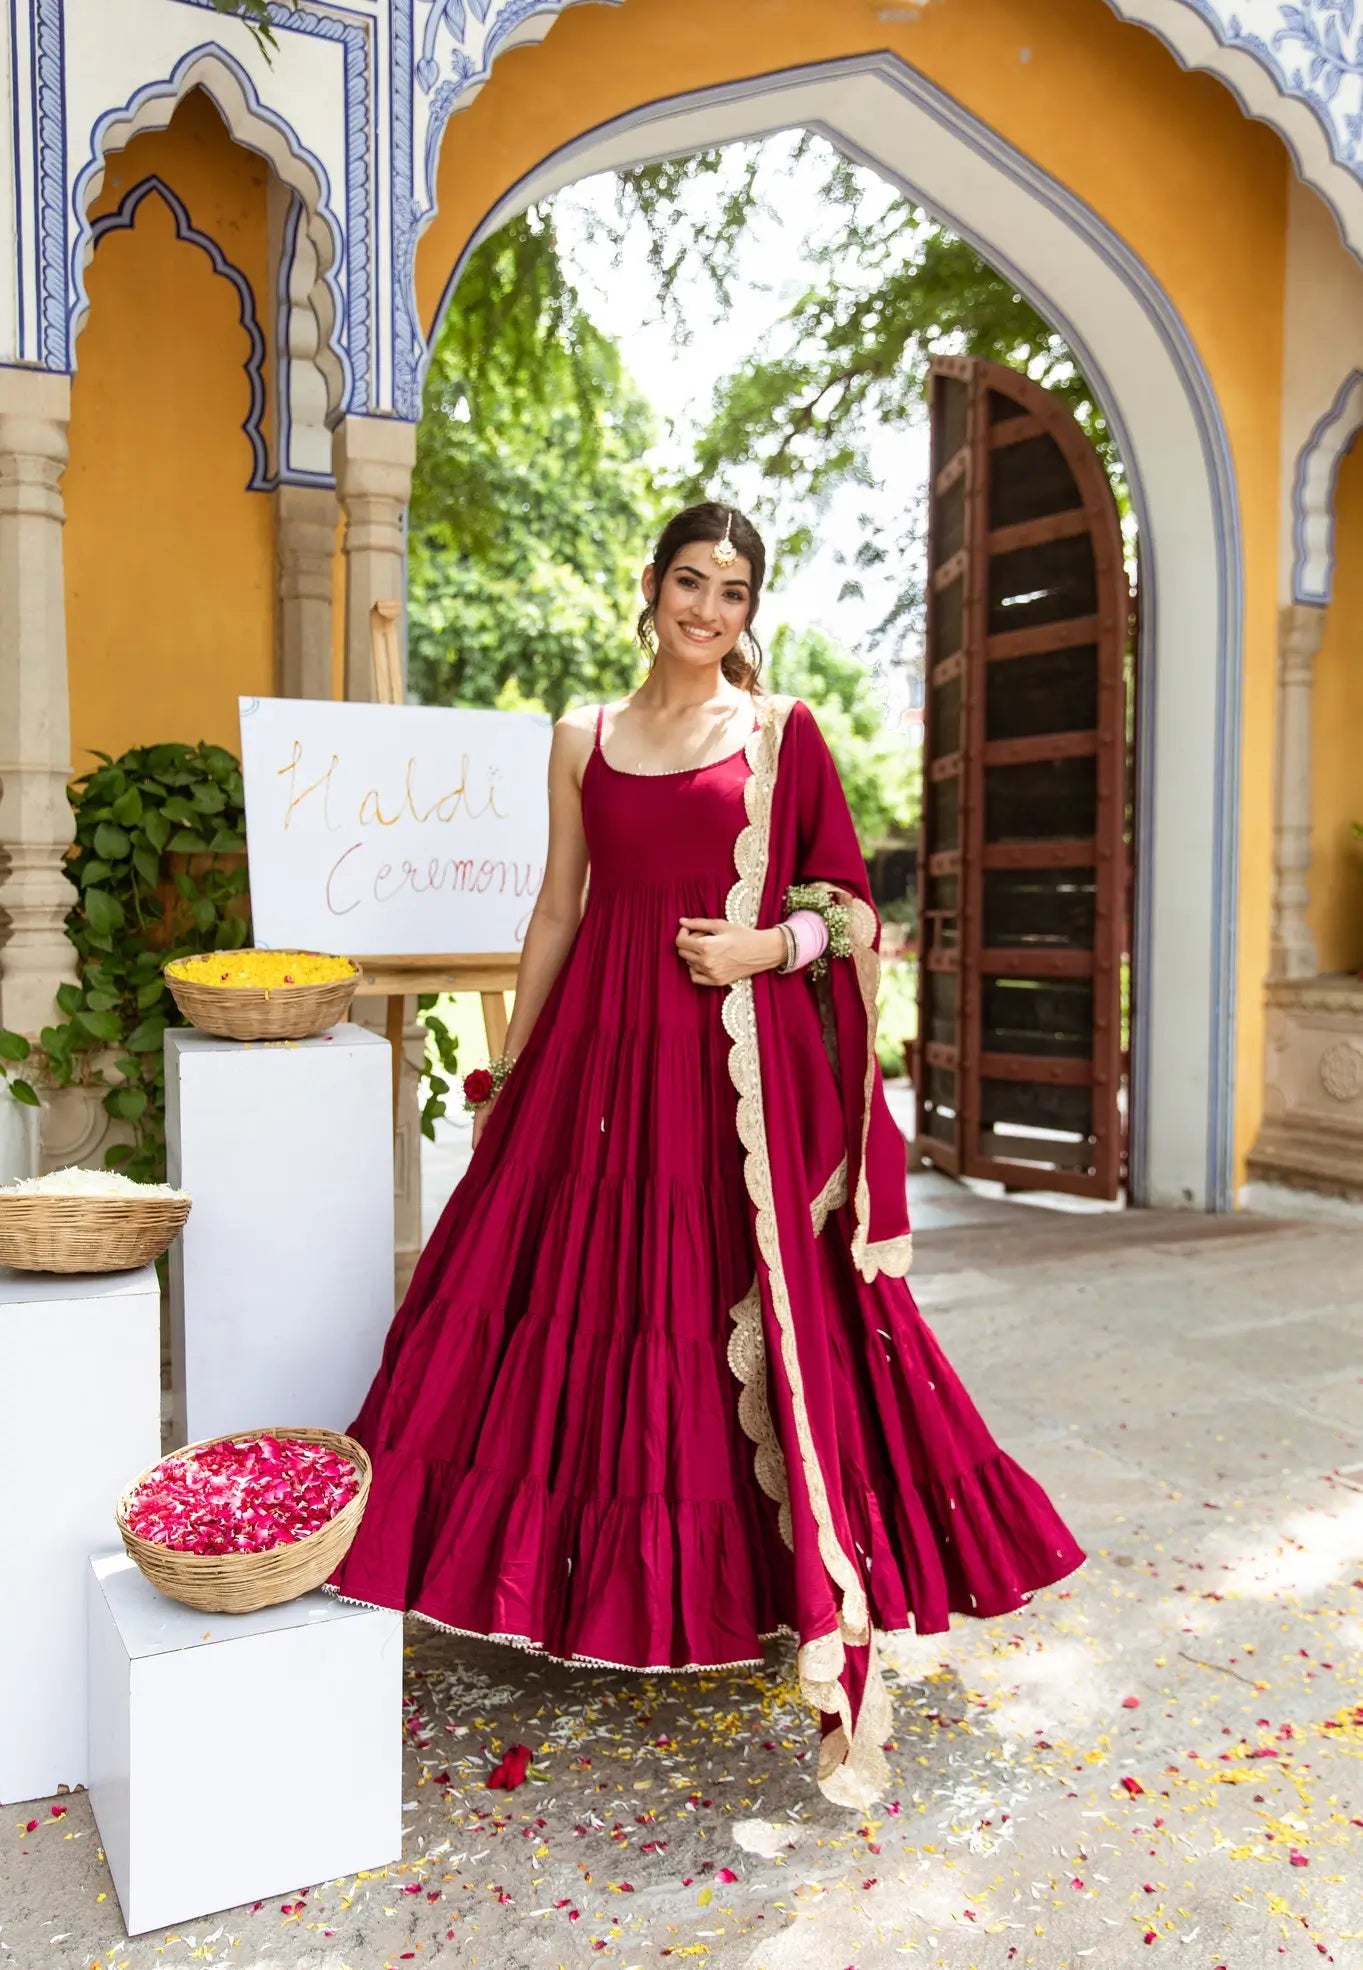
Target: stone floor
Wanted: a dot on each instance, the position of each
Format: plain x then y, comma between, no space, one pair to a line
1161,1758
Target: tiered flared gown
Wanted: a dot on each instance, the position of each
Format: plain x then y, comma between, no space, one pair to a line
558,1460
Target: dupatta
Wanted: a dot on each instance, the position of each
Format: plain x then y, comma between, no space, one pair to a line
799,830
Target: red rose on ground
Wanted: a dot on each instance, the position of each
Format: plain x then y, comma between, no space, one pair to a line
515,1765
478,1085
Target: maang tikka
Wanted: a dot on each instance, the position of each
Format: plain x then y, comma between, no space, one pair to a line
724,553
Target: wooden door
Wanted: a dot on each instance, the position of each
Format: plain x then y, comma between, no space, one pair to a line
1023,869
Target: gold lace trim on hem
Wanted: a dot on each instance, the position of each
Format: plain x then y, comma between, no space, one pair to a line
892,1256
528,1647
853,1768
855,1764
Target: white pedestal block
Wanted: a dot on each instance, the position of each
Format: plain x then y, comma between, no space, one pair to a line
236,1756
282,1284
80,1416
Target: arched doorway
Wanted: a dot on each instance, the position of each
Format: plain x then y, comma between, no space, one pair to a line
1159,403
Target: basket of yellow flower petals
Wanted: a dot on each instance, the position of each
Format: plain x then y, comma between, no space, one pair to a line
263,995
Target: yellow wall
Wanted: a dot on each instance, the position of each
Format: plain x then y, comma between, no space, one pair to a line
1166,158
169,560
1336,858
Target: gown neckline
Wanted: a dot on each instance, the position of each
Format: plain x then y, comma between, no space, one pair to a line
671,772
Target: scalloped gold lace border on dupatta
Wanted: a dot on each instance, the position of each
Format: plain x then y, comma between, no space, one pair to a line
852,1766
831,1198
892,1256
748,1360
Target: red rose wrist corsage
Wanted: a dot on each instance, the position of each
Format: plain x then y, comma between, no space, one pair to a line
484,1084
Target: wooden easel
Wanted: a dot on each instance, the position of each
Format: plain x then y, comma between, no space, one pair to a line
490,974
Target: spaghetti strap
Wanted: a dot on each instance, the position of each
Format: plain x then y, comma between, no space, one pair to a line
600,714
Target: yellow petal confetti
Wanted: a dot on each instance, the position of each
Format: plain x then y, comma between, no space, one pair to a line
257,970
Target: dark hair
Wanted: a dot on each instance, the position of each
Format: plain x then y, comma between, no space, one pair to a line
711,522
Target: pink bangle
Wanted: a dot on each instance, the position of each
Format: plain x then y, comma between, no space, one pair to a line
811,937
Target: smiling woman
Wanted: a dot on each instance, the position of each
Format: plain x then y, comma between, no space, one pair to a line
685,1171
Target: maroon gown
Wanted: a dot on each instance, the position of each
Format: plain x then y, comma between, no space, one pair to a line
558,1457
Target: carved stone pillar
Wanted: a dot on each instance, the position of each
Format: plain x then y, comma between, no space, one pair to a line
1311,1135
36,823
306,520
374,459
1292,950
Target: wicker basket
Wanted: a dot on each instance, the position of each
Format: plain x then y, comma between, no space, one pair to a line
86,1234
239,1583
257,1012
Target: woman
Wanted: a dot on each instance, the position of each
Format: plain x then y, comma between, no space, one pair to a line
658,1390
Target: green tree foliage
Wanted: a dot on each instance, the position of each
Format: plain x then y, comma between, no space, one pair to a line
531,507
880,773
850,356
855,349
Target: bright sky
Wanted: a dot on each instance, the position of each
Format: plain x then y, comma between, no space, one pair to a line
680,381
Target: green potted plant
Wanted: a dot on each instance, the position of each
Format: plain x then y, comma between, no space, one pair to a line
20,1113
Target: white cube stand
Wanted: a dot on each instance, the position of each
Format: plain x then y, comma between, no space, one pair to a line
235,1756
282,1284
80,1416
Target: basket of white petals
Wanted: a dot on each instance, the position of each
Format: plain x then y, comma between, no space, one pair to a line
87,1221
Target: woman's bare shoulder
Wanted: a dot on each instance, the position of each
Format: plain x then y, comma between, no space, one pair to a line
582,718
574,737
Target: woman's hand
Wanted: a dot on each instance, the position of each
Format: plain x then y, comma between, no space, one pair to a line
716,953
480,1116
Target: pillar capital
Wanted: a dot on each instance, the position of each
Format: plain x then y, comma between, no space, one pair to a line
1301,626
374,457
35,410
26,391
307,521
374,454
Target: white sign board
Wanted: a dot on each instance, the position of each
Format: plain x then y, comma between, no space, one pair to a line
393,830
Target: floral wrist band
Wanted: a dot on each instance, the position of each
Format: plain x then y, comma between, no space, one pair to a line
816,896
484,1084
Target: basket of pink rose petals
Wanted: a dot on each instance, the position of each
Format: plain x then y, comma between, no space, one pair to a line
247,1521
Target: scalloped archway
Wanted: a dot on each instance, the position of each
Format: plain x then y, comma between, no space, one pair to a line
1313,492
1160,402
309,281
